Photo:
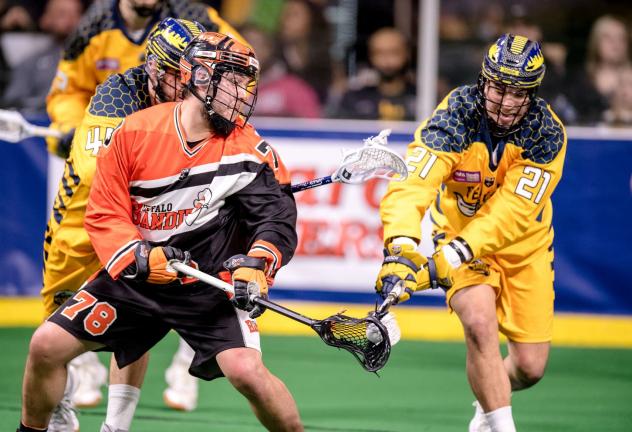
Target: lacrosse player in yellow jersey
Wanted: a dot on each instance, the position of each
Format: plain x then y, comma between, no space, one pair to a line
485,165
69,258
111,38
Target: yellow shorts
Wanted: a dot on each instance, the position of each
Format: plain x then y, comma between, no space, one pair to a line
524,289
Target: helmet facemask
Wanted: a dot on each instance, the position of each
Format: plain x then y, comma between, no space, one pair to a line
504,105
165,45
511,73
228,93
164,80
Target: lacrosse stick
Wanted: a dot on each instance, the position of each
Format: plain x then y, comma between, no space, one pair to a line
338,330
14,128
387,318
391,298
373,160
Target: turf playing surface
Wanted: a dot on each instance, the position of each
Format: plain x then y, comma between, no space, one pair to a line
423,388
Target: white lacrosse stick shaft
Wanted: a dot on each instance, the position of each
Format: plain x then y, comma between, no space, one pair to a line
392,297
204,277
14,128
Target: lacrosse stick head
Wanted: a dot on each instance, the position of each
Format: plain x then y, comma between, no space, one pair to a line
373,160
351,334
12,126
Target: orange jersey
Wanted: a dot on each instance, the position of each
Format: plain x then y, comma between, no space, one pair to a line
218,198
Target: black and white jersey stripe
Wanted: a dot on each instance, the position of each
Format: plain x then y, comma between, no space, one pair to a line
120,253
223,180
197,176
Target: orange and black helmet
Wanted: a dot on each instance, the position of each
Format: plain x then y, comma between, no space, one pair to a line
210,57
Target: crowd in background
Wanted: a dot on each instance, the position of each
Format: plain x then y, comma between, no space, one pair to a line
357,59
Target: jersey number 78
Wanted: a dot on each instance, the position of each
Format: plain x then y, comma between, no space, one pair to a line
100,317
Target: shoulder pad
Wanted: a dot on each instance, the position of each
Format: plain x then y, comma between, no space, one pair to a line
121,94
98,17
542,135
453,125
192,11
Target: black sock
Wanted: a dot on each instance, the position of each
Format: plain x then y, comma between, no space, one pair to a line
23,428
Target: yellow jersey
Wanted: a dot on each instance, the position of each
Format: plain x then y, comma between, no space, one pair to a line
492,192
69,258
101,46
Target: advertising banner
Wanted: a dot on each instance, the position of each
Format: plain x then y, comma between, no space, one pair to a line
340,244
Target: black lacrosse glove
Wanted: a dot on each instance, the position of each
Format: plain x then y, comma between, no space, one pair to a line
249,280
65,143
60,146
150,264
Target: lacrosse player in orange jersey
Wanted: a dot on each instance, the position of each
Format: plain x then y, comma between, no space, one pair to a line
69,258
111,38
191,181
485,164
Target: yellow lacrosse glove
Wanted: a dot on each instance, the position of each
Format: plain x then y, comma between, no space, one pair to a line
401,263
441,266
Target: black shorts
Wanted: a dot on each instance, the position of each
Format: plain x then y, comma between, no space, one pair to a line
129,318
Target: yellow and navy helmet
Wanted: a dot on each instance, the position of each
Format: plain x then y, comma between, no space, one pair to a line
514,60
511,62
167,41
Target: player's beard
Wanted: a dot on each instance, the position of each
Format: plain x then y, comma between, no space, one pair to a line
216,123
145,11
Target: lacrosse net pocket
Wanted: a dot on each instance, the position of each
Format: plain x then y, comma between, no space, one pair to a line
371,161
351,334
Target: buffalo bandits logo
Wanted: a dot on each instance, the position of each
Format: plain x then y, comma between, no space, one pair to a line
165,217
202,202
158,217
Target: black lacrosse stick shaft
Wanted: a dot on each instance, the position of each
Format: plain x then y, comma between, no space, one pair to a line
311,184
284,311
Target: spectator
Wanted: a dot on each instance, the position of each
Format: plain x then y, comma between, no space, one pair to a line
620,112
490,21
393,97
20,15
30,80
304,44
453,27
555,88
280,93
608,53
